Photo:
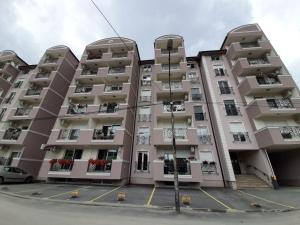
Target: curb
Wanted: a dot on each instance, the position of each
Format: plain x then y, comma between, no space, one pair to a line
165,208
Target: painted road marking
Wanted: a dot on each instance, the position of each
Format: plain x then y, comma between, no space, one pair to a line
150,198
218,201
106,193
266,200
64,193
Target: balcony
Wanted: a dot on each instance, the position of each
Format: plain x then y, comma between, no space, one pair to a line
61,165
184,136
244,66
177,69
83,89
177,54
103,134
242,50
23,113
118,55
278,138
178,86
69,134
76,109
13,136
177,107
89,72
116,70
266,85
260,108
99,166
34,91
175,85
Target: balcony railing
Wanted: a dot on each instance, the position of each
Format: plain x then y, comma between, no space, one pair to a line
69,134
100,134
116,70
290,132
177,107
42,75
22,111
257,61
144,117
12,134
209,167
205,139
77,108
109,108
94,56
226,90
166,51
143,139
34,91
120,55
180,133
175,85
86,72
172,66
61,165
2,112
83,89
183,167
99,166
268,80
284,103
240,137
111,88
51,60
249,45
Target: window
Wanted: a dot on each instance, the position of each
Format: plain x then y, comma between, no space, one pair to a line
18,83
144,114
146,80
238,132
196,96
199,114
183,165
2,112
191,65
230,108
74,134
145,95
202,133
142,161
143,135
114,87
208,164
9,99
215,57
72,154
192,76
147,68
224,87
220,71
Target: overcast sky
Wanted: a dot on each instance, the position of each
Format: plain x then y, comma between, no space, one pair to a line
30,26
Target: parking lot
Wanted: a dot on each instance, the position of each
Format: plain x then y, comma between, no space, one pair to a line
209,199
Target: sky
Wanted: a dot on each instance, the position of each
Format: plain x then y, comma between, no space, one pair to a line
29,27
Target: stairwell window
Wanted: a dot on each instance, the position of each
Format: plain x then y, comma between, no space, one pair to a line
196,96
18,83
142,161
144,114
239,132
147,68
230,108
199,114
10,97
224,87
220,71
145,95
143,137
215,58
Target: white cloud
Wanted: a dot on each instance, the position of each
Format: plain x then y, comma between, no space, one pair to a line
281,23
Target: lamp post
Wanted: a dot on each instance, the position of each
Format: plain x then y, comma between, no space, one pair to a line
176,183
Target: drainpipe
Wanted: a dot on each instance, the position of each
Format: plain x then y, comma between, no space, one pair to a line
212,127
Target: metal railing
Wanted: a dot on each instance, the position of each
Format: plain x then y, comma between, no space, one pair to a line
77,109
267,80
69,134
180,133
51,60
100,134
99,166
112,88
109,108
177,107
184,167
143,139
61,165
258,61
175,85
226,90
205,139
119,55
22,111
83,89
290,132
241,137
114,70
34,91
283,103
209,168
12,134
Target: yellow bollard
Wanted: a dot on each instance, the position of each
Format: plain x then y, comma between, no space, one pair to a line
75,194
186,199
121,196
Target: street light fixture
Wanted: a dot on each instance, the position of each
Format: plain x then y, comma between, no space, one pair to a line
176,183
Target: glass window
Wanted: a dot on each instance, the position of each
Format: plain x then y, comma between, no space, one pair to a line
199,114
230,108
142,163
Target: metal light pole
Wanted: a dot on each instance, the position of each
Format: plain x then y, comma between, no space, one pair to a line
176,183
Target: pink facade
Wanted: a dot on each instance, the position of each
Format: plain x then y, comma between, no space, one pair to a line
108,118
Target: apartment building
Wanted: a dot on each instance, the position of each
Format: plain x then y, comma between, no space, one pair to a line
196,153
93,137
31,105
9,63
236,114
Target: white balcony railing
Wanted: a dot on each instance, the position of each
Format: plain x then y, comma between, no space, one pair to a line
180,133
175,85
